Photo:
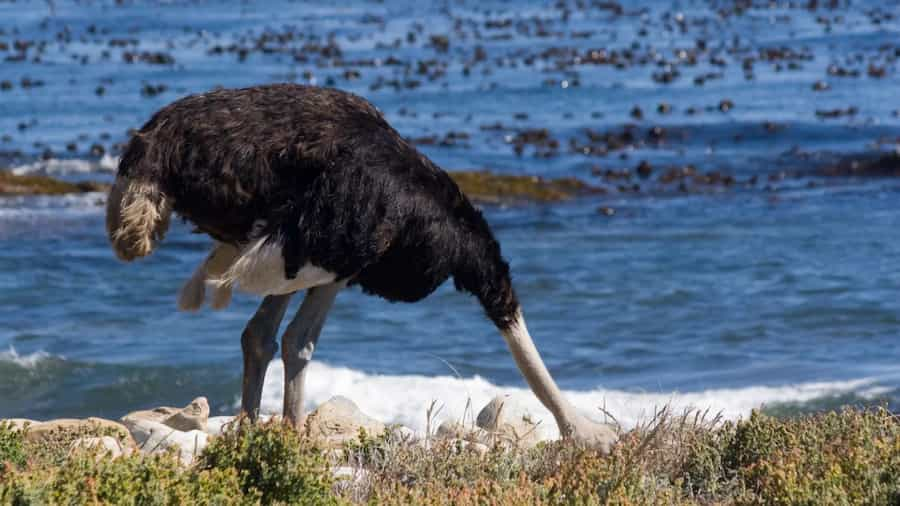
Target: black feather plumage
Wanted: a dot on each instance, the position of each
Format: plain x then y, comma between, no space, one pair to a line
327,173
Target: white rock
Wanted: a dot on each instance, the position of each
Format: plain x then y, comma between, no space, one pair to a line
450,429
480,448
215,425
352,473
509,422
155,437
404,433
108,446
153,415
339,420
191,417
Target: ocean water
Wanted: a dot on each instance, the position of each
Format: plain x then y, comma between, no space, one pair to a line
779,291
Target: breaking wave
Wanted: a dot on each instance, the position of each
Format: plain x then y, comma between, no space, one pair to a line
59,166
28,361
405,399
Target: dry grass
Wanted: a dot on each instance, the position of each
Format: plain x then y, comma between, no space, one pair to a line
846,457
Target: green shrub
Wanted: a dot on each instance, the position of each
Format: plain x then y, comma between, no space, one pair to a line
272,462
260,464
851,457
12,446
87,478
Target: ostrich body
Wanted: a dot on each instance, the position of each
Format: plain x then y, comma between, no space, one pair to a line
306,188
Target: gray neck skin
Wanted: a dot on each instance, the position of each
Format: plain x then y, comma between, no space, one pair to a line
536,374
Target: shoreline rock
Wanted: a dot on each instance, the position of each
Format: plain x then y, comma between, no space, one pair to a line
194,416
488,188
108,446
508,422
481,186
333,424
38,184
154,437
338,421
485,187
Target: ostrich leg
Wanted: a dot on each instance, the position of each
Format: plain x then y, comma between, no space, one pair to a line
572,425
259,346
299,342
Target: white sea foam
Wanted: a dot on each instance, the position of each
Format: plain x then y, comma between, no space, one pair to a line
28,361
405,399
55,166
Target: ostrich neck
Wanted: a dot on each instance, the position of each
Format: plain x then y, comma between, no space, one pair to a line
536,374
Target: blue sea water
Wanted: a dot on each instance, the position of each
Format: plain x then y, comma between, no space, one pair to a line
777,293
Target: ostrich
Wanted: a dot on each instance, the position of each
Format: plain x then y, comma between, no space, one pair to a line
308,188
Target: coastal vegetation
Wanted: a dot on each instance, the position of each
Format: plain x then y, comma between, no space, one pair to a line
846,457
480,186
487,187
39,184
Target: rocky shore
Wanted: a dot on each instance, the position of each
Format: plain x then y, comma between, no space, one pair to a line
486,187
186,431
39,184
481,186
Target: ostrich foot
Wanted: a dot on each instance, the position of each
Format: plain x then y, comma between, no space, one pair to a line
585,432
